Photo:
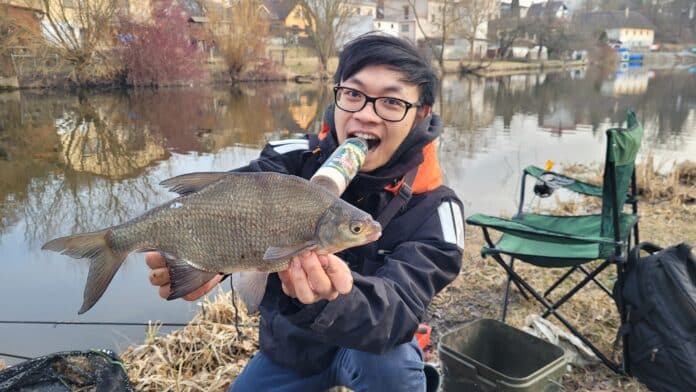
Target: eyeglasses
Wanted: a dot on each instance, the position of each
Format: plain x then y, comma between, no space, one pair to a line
387,108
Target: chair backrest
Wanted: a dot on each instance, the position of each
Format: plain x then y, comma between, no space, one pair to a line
622,148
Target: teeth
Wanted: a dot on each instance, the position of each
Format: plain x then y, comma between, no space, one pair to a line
366,136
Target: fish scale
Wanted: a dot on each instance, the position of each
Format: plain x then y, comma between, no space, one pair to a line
246,209
223,223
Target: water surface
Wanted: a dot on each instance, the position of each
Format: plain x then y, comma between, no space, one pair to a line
72,163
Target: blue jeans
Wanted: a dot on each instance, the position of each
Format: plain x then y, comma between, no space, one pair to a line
400,369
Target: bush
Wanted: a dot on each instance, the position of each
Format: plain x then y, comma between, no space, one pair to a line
160,52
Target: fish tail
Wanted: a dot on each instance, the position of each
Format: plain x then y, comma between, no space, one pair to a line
104,261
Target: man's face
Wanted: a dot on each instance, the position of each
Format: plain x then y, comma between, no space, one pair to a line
384,137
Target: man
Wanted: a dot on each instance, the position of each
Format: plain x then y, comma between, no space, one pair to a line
349,319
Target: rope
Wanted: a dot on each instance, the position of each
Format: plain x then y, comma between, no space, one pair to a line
110,323
13,356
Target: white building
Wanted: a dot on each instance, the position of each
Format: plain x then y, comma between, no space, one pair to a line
423,20
632,29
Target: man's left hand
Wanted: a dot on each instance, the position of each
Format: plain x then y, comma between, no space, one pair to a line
312,277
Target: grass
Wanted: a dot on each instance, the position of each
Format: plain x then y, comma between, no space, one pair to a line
209,353
206,355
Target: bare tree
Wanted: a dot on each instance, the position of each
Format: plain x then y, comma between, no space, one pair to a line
80,30
239,31
514,28
475,15
453,18
444,23
550,32
325,21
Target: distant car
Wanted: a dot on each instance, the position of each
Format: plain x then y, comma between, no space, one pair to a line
615,43
693,50
654,47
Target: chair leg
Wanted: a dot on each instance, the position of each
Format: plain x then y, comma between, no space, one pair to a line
487,237
506,295
559,281
598,283
551,309
590,276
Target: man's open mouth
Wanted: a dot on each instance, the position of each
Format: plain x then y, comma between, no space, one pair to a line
372,140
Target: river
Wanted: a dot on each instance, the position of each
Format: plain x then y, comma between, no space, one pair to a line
72,163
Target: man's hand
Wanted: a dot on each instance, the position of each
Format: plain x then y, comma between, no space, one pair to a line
159,276
313,277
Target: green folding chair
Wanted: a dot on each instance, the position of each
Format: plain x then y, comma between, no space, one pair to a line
571,242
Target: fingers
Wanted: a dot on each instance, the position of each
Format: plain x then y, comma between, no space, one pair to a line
286,283
165,290
300,282
159,276
313,277
338,272
317,278
154,260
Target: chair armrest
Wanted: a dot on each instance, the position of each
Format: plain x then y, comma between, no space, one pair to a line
562,181
520,229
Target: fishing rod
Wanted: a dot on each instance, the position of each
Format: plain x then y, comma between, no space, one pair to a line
13,356
114,323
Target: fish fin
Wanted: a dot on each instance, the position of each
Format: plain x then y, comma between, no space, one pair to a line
102,268
274,253
250,286
192,182
184,278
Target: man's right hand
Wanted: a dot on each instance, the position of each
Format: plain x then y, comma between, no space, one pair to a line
159,276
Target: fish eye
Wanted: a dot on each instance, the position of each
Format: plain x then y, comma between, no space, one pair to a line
355,229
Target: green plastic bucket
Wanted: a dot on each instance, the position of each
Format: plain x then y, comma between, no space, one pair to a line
488,355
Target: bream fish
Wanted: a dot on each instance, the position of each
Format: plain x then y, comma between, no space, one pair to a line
249,224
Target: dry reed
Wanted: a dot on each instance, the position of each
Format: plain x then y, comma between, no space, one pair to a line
208,354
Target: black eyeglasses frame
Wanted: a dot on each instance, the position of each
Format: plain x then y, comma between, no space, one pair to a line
369,99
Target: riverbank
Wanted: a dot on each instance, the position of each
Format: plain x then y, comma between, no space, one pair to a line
503,68
210,352
299,69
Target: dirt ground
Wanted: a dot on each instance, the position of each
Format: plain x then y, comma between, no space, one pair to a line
667,211
209,353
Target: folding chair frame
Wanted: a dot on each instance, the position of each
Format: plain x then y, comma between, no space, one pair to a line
619,258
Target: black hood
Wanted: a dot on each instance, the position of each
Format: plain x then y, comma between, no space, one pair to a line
407,156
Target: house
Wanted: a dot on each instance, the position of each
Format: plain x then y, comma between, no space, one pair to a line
401,12
550,9
419,20
24,26
360,20
21,14
386,26
198,24
361,7
286,18
630,28
515,8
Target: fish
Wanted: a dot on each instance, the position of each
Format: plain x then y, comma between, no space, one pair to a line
244,224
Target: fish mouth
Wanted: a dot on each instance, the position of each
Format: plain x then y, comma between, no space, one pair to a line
374,231
372,140
374,236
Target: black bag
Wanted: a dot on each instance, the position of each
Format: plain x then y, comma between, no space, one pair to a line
94,370
659,295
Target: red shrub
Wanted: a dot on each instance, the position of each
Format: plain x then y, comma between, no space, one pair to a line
160,52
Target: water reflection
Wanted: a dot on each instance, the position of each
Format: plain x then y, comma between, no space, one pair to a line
73,163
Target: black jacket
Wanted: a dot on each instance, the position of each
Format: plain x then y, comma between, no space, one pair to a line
395,278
